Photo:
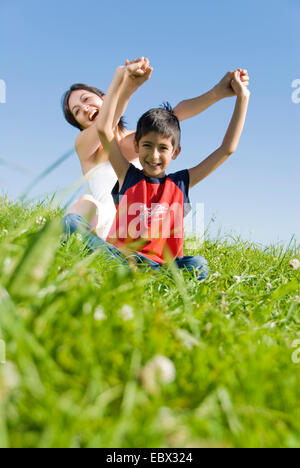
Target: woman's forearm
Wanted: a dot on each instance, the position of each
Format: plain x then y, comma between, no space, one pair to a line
124,98
192,107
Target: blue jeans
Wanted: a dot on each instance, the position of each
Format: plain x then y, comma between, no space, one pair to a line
75,223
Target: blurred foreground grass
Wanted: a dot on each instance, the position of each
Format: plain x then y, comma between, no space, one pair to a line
98,356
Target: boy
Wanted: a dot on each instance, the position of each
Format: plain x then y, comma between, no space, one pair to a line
150,204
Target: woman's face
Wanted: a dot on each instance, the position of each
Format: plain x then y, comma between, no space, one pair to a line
85,107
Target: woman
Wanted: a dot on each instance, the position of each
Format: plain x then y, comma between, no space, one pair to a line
82,105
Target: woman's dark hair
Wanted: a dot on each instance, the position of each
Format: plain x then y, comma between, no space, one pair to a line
161,120
67,111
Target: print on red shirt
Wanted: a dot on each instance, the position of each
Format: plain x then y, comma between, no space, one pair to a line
150,214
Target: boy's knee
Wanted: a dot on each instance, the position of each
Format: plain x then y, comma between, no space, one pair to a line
201,265
200,260
70,223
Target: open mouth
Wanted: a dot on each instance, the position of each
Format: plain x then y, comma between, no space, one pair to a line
93,115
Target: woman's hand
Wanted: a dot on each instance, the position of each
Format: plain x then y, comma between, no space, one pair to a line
238,86
224,88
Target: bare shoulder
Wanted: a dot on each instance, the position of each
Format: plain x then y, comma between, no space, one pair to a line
128,139
79,139
87,144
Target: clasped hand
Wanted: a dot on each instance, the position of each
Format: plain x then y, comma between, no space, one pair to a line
225,87
136,72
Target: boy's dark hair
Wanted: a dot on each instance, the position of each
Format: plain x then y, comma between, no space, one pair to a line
67,111
161,120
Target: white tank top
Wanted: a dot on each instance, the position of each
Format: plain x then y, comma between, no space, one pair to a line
102,179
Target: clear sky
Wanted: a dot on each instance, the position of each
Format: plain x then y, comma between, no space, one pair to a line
47,46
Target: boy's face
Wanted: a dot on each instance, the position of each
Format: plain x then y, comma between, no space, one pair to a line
155,153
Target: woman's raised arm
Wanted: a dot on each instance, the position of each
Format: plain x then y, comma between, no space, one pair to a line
191,107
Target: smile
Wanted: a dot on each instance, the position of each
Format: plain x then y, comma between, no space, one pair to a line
92,115
153,165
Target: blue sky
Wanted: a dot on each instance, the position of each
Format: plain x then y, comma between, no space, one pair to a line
47,46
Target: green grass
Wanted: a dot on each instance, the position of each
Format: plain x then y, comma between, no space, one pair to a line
77,375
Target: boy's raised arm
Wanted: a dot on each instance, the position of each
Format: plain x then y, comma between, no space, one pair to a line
232,136
191,107
127,91
139,72
105,125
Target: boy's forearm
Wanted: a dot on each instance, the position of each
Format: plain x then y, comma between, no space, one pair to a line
124,98
236,125
105,122
192,107
229,145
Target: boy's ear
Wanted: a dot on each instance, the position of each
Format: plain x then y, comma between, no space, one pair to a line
176,152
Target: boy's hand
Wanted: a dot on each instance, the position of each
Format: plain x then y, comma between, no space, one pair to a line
137,72
224,89
239,88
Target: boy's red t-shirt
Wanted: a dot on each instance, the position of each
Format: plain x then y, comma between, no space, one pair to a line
150,214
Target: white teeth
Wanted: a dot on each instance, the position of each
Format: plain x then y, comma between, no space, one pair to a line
93,115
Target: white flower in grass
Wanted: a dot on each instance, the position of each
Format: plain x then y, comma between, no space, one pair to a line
294,264
79,237
99,314
158,371
40,221
269,287
5,232
126,313
187,340
238,279
216,275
